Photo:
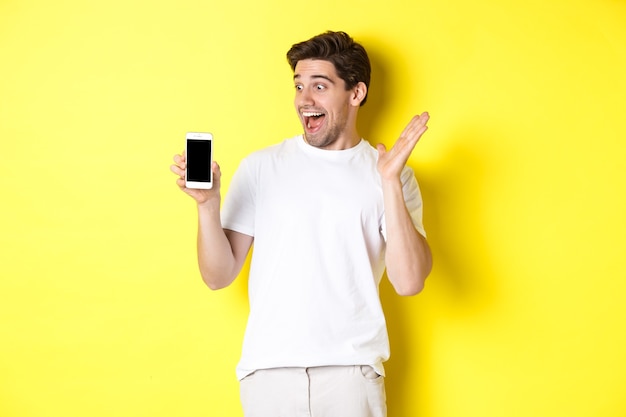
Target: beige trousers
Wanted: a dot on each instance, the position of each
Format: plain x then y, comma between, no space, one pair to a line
326,391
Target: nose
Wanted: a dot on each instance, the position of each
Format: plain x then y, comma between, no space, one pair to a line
304,98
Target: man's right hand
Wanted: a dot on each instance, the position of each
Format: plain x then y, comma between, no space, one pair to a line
201,196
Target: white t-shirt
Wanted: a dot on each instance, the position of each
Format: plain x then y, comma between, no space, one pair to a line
317,218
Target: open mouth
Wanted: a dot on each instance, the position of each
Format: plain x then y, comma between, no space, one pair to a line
312,120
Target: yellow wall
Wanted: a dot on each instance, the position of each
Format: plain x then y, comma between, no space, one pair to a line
102,311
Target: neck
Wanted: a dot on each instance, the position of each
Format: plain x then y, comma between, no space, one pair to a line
345,141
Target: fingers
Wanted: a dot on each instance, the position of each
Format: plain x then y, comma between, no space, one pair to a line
177,170
410,136
180,165
180,160
412,133
422,118
200,196
417,126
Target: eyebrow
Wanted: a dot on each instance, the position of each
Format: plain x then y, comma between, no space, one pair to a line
324,77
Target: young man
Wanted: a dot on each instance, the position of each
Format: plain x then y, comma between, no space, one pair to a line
327,213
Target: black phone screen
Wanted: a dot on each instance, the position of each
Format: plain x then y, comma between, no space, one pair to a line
198,160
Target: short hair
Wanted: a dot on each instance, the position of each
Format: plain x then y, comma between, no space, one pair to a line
349,57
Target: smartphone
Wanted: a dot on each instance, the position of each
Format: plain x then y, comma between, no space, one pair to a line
199,160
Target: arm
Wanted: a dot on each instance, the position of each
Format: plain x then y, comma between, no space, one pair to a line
408,257
221,253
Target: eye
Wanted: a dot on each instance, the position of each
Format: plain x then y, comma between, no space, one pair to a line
298,87
320,87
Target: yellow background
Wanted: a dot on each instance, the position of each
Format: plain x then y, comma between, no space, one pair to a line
102,310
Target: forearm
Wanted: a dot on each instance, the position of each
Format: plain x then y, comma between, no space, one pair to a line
216,260
408,257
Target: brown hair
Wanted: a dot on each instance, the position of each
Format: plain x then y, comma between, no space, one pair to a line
349,58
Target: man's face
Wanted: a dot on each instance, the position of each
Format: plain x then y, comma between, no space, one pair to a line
323,104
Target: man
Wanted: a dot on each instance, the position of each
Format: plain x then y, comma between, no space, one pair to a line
326,212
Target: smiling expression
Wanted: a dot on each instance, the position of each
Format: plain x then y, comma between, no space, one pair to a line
326,109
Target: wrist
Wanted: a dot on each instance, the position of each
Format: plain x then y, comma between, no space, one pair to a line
209,205
391,183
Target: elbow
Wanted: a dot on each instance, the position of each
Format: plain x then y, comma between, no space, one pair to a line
412,283
410,289
408,272
216,282
214,286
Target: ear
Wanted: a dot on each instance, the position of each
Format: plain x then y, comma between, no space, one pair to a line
358,94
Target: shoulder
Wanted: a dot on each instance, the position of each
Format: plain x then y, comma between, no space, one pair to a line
287,146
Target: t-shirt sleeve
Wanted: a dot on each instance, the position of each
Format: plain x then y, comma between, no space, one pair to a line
413,199
238,212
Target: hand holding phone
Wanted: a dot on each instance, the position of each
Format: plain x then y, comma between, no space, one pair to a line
199,155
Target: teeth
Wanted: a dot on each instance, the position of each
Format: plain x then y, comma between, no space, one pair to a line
311,114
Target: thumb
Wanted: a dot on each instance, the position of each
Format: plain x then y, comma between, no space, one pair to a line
217,173
382,149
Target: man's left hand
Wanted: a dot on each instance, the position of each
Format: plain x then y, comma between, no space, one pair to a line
391,162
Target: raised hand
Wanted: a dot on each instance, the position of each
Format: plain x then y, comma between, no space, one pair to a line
391,162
